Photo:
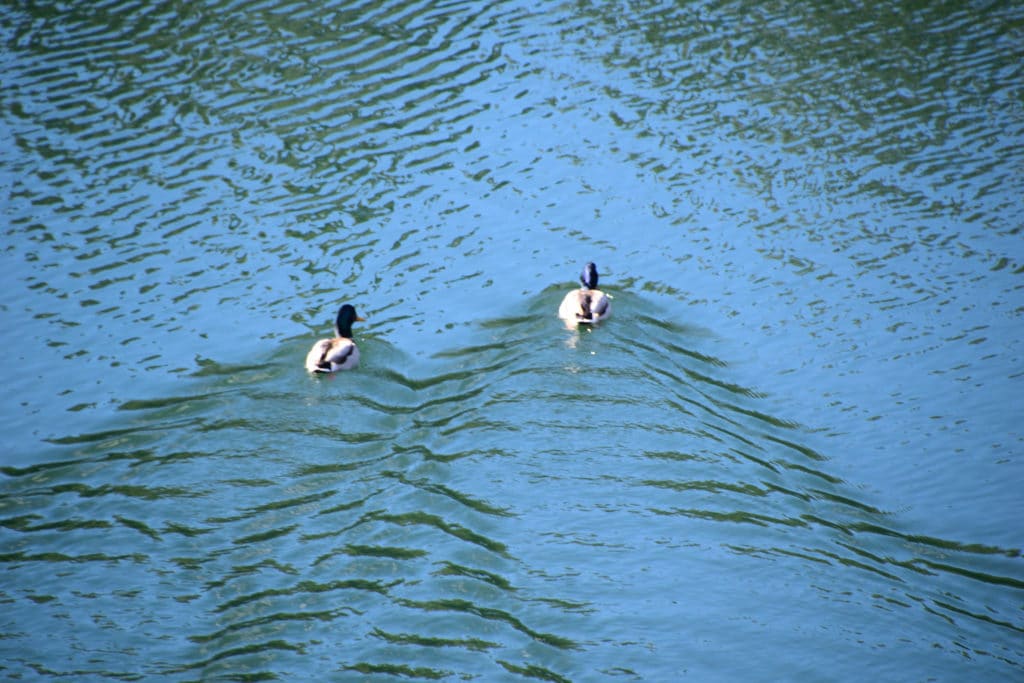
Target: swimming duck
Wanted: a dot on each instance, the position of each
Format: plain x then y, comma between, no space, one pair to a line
340,353
586,305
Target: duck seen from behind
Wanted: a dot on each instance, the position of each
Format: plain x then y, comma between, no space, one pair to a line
586,305
339,353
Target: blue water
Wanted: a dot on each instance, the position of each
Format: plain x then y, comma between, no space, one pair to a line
793,452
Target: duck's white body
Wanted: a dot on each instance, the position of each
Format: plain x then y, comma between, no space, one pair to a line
586,305
331,355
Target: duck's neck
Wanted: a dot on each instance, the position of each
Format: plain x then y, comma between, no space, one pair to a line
343,328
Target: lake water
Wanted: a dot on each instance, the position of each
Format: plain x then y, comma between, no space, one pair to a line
794,452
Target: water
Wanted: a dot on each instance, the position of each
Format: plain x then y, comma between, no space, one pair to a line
793,452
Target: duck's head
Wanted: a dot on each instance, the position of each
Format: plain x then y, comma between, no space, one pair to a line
589,276
346,316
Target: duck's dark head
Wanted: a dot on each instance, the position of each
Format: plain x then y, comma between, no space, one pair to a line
346,316
589,276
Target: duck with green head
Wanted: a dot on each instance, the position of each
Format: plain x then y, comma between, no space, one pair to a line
586,305
339,353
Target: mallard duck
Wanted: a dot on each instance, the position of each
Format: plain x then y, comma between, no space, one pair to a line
586,305
340,353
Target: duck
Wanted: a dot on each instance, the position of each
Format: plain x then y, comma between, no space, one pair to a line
586,305
339,353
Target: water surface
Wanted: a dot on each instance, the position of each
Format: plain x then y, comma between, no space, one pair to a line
793,452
